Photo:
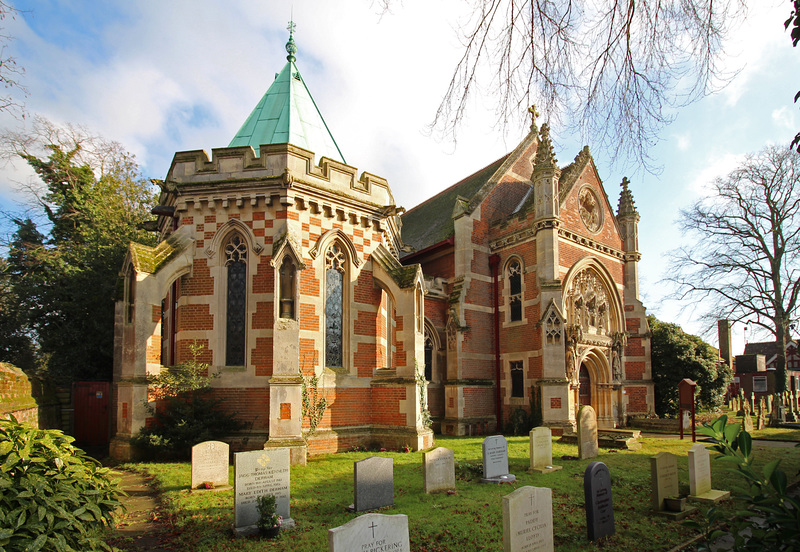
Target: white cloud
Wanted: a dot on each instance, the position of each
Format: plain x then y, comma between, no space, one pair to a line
785,118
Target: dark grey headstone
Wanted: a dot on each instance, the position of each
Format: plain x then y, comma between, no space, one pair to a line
373,479
599,505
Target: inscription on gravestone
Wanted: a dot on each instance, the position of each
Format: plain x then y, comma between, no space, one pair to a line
210,464
663,478
599,503
588,446
371,533
495,461
439,471
528,520
257,473
373,481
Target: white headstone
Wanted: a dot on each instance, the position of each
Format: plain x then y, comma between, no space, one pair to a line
439,470
257,473
371,533
700,476
528,520
663,478
588,446
541,447
210,464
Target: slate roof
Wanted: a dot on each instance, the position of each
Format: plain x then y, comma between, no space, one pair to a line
766,348
288,114
431,221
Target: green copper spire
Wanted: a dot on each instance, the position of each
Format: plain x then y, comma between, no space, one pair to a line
288,114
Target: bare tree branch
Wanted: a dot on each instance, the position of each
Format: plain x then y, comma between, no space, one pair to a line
745,264
611,69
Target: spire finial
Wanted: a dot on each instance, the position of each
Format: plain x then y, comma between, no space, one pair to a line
291,47
534,114
626,205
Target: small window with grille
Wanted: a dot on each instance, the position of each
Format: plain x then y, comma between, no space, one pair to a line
517,379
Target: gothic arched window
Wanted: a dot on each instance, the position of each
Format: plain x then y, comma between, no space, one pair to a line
335,263
236,312
514,277
429,353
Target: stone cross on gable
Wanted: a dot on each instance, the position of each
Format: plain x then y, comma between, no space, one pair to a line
534,115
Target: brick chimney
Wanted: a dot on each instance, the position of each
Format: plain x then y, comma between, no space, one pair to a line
724,331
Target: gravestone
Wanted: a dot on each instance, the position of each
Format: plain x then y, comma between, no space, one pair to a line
528,520
588,446
541,447
495,461
747,420
371,533
664,483
438,470
700,477
373,481
599,505
257,473
210,465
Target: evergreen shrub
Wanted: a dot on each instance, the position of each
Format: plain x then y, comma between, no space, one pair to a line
52,496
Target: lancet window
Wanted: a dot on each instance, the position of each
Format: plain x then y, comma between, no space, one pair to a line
335,266
236,313
517,379
514,279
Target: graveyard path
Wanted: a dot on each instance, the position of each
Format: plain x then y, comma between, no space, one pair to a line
141,526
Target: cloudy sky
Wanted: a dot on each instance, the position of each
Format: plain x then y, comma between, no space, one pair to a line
166,76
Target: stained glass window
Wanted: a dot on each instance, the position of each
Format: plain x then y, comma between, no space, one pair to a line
428,357
236,264
334,305
515,290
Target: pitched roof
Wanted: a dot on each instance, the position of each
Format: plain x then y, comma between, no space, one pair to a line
431,221
288,114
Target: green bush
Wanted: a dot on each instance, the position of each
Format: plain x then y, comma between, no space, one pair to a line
52,496
186,413
772,518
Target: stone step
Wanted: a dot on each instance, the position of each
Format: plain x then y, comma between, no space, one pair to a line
624,439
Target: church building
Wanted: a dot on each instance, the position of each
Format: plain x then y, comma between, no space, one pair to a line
298,277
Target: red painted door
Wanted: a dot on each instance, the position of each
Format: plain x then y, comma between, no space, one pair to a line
584,386
91,412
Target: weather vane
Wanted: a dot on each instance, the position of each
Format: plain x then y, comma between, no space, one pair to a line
291,47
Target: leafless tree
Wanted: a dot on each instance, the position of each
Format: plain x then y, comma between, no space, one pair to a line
10,72
745,263
610,69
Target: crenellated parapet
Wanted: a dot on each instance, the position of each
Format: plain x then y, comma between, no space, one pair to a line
279,166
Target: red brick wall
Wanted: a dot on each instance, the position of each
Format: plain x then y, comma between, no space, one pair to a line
479,401
250,404
637,399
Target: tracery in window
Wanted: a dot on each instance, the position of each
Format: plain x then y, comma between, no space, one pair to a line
514,275
236,313
552,328
335,260
588,303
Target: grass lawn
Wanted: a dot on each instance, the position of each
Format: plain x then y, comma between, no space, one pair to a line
469,520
